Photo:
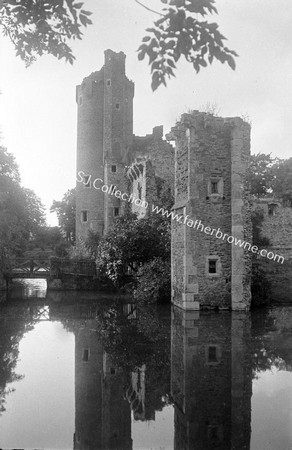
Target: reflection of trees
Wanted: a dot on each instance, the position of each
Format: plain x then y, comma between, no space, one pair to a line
132,343
12,332
272,340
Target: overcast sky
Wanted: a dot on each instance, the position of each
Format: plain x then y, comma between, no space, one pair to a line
38,109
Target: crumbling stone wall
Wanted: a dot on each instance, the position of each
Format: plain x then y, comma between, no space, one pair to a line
152,167
210,152
142,186
158,151
277,228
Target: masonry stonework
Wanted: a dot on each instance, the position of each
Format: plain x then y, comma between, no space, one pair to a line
277,228
211,186
104,137
141,176
107,148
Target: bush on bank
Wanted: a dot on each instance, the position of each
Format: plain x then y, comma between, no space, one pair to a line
127,250
260,287
154,282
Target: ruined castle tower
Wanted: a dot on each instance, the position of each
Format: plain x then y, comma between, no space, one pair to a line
104,137
211,193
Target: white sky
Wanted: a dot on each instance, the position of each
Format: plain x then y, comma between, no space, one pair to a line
38,110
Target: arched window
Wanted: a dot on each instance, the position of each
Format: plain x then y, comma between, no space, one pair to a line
139,187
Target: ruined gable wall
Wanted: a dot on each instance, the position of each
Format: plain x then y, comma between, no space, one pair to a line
277,227
206,151
158,151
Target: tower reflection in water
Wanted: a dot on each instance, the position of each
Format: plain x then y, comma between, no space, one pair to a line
211,380
102,415
119,369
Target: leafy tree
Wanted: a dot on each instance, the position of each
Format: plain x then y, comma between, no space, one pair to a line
257,218
260,285
8,166
165,193
260,174
66,211
131,243
47,241
282,180
21,211
38,27
178,32
154,282
35,210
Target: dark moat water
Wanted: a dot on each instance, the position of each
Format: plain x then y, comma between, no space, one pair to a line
90,371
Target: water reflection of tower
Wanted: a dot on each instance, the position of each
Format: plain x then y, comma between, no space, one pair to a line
102,416
211,380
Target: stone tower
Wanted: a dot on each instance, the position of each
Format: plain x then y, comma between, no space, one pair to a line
211,194
104,137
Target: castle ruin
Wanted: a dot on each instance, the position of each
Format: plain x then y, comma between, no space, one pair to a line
211,187
207,170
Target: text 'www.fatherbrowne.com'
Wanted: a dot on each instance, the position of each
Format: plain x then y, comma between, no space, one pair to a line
99,184
198,225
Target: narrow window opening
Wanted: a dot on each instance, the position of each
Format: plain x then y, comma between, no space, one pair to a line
139,191
272,209
139,385
84,216
116,212
117,106
212,266
85,355
112,371
114,169
214,187
212,354
108,82
87,181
